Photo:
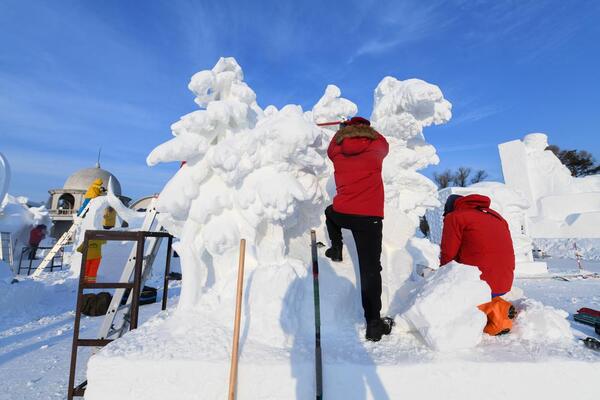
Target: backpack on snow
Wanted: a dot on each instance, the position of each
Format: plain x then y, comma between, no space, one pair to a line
95,304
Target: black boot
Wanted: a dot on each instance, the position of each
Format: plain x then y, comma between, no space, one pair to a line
334,253
378,327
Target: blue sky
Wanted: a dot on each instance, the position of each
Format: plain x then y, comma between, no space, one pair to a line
77,75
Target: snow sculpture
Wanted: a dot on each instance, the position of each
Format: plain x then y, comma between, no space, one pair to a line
512,205
17,219
402,109
248,174
562,206
263,175
4,178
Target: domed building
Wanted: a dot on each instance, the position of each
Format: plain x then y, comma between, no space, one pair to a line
65,202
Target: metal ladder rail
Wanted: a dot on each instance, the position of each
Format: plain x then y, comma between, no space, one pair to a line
134,286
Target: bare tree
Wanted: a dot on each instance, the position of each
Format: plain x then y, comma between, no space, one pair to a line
458,178
579,162
461,176
479,176
443,179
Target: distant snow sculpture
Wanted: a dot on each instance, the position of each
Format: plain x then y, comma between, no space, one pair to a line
562,206
4,178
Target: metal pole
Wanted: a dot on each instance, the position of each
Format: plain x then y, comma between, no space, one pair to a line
167,272
318,354
236,325
30,261
137,278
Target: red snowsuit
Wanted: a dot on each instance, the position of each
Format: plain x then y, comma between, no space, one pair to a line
358,161
474,234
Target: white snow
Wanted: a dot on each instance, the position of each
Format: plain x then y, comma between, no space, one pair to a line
444,308
35,351
537,322
587,249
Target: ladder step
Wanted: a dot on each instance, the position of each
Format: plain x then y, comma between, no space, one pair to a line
107,285
93,342
79,391
174,276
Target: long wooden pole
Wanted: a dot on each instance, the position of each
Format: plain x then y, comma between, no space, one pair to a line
236,325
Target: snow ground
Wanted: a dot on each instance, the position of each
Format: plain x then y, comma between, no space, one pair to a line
36,333
35,352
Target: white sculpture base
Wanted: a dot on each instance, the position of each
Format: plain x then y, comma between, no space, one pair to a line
531,269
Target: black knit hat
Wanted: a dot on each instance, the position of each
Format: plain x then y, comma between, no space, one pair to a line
357,121
449,206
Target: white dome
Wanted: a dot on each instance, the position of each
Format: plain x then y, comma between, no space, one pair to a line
82,179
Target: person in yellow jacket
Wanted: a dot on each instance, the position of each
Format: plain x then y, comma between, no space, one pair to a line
93,191
109,218
92,260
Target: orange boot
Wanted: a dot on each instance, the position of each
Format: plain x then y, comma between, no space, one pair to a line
500,314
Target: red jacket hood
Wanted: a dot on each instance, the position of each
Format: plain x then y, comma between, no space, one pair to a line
355,145
472,201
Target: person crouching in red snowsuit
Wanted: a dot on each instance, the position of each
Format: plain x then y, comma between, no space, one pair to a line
357,152
474,234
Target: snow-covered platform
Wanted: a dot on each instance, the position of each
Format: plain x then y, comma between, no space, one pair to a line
189,355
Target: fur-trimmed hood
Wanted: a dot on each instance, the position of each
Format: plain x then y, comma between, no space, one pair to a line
363,131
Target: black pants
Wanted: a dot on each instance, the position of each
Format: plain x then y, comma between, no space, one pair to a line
367,233
32,251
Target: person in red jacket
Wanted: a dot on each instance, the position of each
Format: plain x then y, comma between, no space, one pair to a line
476,235
36,235
357,152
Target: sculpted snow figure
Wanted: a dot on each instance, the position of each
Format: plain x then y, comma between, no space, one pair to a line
263,175
561,206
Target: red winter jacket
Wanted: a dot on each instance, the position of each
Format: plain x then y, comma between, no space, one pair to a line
474,234
357,153
36,236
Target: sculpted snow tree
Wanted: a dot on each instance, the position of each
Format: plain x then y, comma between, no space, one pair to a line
263,175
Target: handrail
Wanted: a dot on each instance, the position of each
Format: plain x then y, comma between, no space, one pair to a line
63,211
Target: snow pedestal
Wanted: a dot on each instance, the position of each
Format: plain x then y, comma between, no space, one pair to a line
186,355
371,380
513,207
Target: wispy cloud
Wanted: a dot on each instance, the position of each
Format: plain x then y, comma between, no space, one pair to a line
533,28
401,23
475,114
